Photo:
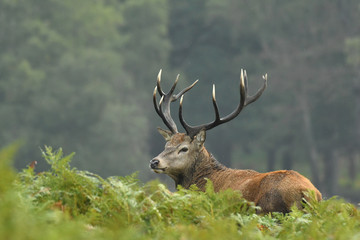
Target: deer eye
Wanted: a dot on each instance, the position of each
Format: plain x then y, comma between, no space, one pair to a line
184,149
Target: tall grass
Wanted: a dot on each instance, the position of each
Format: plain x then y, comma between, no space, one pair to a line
66,203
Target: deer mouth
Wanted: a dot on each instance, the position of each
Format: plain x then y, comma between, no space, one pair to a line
159,170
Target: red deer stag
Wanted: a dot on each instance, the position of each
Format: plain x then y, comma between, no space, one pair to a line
186,160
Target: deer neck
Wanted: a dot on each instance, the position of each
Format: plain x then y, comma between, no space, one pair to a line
204,166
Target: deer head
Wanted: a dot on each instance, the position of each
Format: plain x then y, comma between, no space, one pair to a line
183,149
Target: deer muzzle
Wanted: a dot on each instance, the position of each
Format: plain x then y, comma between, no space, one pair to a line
154,165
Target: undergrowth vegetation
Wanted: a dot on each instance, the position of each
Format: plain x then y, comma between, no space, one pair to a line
66,203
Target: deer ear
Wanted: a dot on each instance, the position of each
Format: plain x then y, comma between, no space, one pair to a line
200,137
165,133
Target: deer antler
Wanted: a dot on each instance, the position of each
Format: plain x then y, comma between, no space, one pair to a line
163,109
244,101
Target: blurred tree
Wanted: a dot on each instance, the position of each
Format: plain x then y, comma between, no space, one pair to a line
146,42
66,80
204,47
302,49
352,50
80,75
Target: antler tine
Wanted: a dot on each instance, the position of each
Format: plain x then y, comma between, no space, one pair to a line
158,83
163,109
191,130
182,121
245,79
217,115
244,101
243,89
182,92
160,113
251,99
154,101
174,85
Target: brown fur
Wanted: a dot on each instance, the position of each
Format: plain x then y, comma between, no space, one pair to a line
274,191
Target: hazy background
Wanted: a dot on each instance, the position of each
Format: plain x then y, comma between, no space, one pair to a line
80,75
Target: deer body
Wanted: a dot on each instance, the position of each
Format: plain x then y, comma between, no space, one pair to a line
186,160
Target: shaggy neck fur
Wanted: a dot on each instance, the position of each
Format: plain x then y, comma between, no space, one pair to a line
203,167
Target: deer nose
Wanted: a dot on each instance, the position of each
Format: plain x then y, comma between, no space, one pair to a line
154,163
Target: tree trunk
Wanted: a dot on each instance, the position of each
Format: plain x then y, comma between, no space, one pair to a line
354,156
357,109
222,149
309,135
271,159
287,160
331,173
352,168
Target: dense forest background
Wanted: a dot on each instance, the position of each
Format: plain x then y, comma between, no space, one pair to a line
80,75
